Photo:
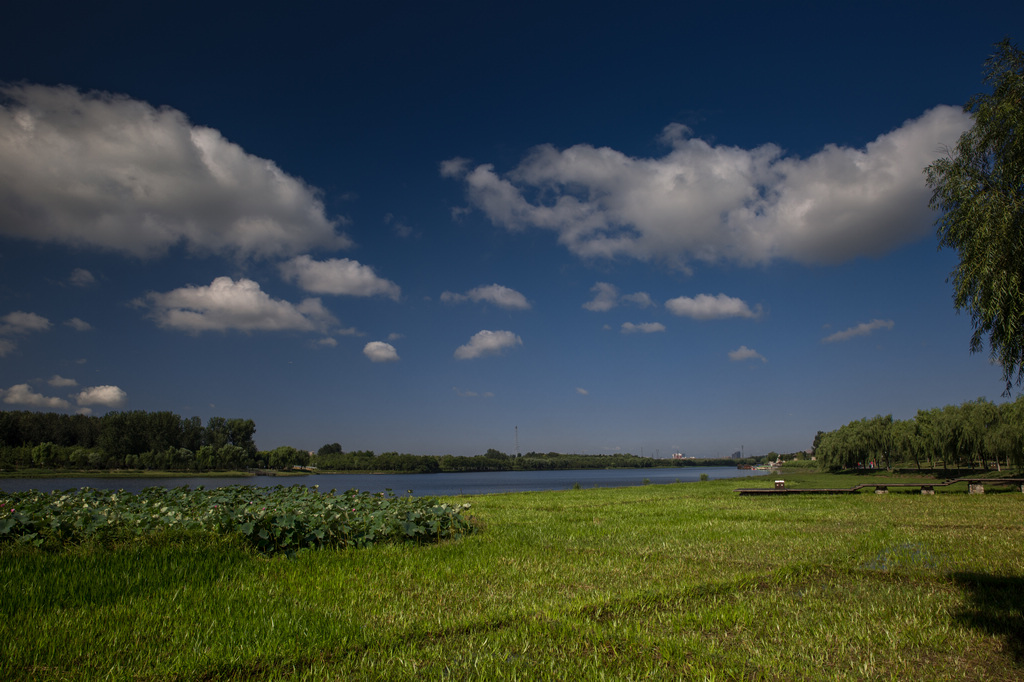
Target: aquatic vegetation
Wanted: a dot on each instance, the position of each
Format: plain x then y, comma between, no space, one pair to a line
274,520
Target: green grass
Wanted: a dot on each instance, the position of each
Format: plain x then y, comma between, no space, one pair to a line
681,581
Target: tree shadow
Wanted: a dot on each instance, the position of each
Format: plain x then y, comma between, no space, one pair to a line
996,607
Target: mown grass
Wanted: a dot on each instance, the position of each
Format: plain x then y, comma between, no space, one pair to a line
682,581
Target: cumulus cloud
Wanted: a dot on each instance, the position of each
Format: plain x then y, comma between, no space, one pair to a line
707,307
80,277
20,322
606,297
487,342
58,380
106,171
862,329
78,324
453,168
226,304
744,353
494,293
22,394
715,203
640,298
643,328
378,351
108,396
338,276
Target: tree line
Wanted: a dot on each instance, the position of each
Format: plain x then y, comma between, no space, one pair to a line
331,457
135,440
976,434
166,441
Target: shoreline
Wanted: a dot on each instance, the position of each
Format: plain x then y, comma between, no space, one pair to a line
142,473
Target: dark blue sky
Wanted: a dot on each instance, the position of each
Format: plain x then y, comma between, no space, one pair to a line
650,226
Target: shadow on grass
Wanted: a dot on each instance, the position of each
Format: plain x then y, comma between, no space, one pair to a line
996,607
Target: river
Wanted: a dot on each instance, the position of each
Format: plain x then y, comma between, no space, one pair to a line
468,483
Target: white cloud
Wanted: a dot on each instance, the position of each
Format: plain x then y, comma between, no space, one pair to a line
744,353
718,203
109,396
494,293
640,298
401,229
227,304
707,307
338,276
78,324
606,297
644,327
378,351
862,329
106,171
81,277
20,322
22,394
582,391
486,342
58,380
328,341
453,168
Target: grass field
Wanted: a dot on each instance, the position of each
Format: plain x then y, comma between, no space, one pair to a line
682,581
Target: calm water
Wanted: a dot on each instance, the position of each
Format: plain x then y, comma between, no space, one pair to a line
419,484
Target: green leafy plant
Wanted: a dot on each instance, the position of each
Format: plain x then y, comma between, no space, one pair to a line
274,520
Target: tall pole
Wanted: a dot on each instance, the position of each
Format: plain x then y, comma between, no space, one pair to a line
517,440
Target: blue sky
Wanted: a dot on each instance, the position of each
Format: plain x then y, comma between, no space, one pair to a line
417,226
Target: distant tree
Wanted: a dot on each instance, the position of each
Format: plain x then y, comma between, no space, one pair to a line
192,433
216,433
817,441
979,191
330,449
286,456
241,432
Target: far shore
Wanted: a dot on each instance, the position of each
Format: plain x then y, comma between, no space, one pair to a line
139,473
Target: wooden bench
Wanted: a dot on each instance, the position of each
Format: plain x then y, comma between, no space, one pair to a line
975,486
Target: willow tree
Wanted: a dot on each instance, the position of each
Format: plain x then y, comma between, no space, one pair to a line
979,190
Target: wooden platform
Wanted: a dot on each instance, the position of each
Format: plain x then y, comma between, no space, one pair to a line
975,486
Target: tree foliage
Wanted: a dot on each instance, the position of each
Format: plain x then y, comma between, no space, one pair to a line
975,434
979,189
135,440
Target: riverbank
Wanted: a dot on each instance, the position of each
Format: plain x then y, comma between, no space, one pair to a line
460,483
660,582
138,473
